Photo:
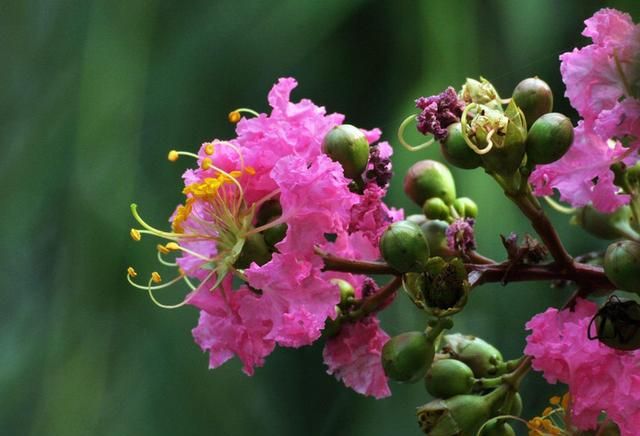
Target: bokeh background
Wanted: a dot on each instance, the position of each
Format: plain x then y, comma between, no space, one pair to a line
93,94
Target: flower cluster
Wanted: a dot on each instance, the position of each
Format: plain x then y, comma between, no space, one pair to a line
603,85
599,378
256,208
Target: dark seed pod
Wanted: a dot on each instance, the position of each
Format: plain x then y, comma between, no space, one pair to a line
617,324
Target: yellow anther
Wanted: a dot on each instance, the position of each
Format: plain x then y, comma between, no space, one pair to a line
181,272
250,170
162,249
135,234
172,246
547,411
155,277
235,174
234,117
206,163
131,272
209,148
554,400
173,156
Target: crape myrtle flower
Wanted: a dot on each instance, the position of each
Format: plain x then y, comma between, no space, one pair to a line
600,378
253,296
460,235
438,112
603,85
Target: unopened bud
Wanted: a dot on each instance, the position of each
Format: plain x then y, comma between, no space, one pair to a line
482,357
436,209
404,246
347,145
449,377
617,324
347,293
428,179
508,138
466,207
497,427
481,92
606,225
456,151
549,138
436,233
534,97
622,265
408,356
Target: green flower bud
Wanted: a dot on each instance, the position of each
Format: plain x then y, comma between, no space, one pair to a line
435,209
482,357
481,92
435,231
404,246
617,324
427,179
622,265
407,357
462,415
417,218
456,151
442,289
606,226
347,145
497,427
466,207
347,293
253,250
449,377
534,97
549,138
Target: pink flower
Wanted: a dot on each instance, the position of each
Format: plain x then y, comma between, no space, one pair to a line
582,175
599,378
602,84
284,297
460,235
353,356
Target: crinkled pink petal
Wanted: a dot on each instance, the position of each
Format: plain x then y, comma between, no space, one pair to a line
296,297
623,120
610,28
224,332
353,356
598,377
372,135
315,200
370,215
582,175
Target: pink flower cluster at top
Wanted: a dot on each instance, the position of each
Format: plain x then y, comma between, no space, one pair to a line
599,378
287,300
603,85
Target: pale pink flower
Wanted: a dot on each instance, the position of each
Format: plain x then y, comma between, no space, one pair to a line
353,356
599,378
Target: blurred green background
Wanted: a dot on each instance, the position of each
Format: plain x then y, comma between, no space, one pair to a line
93,95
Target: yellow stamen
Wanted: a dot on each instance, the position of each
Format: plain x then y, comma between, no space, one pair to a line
131,272
182,213
234,116
206,163
173,155
555,400
209,148
173,246
135,234
155,277
162,249
250,170
547,411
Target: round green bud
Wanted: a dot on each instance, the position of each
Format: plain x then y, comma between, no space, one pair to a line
347,145
497,427
549,138
448,377
618,324
274,234
606,225
534,97
253,250
427,179
405,247
436,233
456,151
417,218
347,292
435,209
482,357
407,357
466,207
622,265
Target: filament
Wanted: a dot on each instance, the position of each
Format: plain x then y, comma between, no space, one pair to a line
404,143
558,207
